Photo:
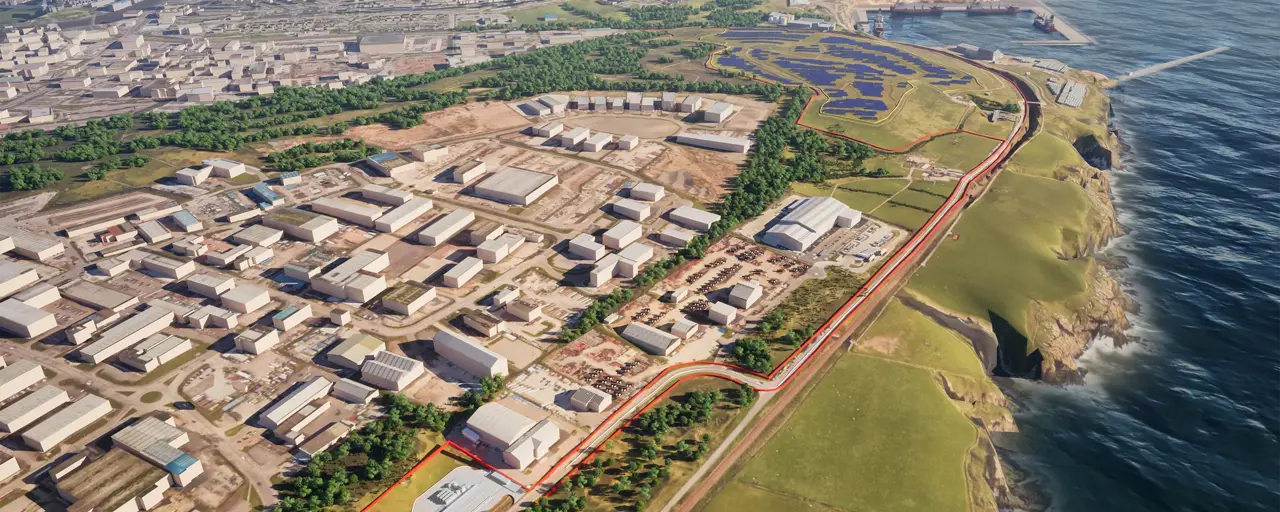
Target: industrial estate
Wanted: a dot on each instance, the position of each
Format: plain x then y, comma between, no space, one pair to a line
377,257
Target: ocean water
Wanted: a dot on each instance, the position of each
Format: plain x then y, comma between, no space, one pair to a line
1186,417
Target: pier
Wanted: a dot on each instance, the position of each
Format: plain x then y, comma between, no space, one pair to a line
1176,62
862,16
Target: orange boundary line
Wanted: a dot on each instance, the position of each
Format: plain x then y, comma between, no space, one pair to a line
845,312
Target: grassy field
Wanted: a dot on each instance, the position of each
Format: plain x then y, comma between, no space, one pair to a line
922,112
874,435
1046,155
902,216
1007,254
918,199
401,497
904,334
151,397
19,14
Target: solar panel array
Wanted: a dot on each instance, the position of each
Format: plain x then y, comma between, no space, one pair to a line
853,73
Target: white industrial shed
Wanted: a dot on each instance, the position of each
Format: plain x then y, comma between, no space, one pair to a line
693,218
807,221
469,354
521,440
391,371
57,427
513,185
446,227
716,142
650,339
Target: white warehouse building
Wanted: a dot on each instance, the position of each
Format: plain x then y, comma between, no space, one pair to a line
469,354
807,221
513,185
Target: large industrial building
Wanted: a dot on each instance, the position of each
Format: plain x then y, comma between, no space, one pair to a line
651,339
521,440
18,376
393,43
29,245
126,333
28,409
402,215
154,351
246,299
808,220
354,350
15,276
473,357
210,285
257,234
446,227
297,398
354,212
393,165
716,142
622,234
391,371
513,185
57,427
24,320
408,297
463,272
357,278
302,224
693,218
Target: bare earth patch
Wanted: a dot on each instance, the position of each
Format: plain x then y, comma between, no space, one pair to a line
879,344
453,123
703,174
643,127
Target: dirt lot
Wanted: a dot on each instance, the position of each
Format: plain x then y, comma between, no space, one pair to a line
699,173
413,65
609,364
645,127
454,123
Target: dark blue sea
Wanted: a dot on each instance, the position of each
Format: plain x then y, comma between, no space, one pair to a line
1187,416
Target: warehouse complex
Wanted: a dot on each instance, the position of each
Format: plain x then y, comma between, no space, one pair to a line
808,220
520,439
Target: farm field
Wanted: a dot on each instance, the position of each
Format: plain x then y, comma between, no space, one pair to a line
1007,252
904,216
885,425
884,94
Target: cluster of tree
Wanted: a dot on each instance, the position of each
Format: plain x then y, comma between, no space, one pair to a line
753,354
745,395
490,388
33,177
693,451
100,170
694,409
315,154
596,313
25,147
326,480
990,104
698,51
720,13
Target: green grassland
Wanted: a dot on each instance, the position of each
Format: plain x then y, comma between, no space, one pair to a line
402,496
1047,155
903,216
1007,254
874,435
860,194
904,334
922,112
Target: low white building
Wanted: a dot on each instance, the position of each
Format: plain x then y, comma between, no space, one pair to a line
586,247
647,192
391,371
463,272
622,234
631,209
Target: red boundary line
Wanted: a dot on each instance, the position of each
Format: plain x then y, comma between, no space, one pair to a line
844,313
